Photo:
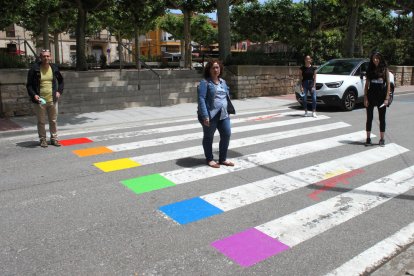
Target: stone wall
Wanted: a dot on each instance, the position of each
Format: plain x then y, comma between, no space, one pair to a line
14,100
248,81
245,82
404,75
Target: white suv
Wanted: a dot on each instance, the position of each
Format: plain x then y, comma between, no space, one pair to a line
340,82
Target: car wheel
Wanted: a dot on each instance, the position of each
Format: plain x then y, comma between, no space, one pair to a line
349,100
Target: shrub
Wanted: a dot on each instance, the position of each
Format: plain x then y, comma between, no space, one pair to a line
9,61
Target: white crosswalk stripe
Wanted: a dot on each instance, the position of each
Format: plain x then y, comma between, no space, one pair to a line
253,160
291,229
247,194
181,127
373,257
236,143
199,135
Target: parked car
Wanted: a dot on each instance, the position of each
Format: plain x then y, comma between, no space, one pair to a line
340,82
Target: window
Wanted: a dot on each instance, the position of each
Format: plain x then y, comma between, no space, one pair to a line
10,31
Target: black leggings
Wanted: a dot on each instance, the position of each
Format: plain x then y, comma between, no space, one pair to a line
370,116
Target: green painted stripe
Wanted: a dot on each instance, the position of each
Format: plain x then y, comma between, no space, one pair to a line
143,184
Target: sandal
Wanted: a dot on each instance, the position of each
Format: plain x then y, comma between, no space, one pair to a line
227,163
213,164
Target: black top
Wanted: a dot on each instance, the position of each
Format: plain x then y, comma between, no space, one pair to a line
307,72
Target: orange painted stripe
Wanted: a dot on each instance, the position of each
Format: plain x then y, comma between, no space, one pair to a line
91,151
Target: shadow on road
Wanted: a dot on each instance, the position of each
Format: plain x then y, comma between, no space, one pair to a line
28,144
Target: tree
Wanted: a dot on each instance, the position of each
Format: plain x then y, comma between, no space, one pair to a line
173,24
10,12
36,16
188,7
83,7
202,31
143,15
223,16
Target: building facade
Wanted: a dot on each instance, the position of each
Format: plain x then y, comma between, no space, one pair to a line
15,40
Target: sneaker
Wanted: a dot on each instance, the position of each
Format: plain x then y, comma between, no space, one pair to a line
43,143
381,143
314,115
55,142
306,114
368,142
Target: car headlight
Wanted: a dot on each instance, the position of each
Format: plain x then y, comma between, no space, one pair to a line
334,84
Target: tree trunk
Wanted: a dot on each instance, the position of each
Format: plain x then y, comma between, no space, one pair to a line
56,43
187,38
120,51
137,53
137,50
223,16
349,43
44,25
81,64
182,49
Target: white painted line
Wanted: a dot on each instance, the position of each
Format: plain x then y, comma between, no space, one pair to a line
257,159
180,127
243,195
199,134
373,257
237,143
309,222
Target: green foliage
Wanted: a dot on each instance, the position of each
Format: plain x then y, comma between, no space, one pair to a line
10,12
9,61
201,30
396,51
172,24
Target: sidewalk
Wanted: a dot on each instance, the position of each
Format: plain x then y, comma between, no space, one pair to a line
130,117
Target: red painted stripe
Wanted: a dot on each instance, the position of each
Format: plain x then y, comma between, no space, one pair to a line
75,141
333,181
262,118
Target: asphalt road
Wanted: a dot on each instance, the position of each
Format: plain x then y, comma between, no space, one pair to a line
61,213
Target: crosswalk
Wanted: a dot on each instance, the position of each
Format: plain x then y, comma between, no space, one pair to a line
273,136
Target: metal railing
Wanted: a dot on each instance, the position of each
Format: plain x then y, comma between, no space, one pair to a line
138,71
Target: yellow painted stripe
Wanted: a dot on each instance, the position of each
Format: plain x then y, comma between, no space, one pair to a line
116,165
91,151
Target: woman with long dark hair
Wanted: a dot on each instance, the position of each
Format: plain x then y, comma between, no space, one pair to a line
376,94
308,84
214,107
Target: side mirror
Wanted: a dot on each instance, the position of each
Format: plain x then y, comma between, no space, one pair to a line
363,74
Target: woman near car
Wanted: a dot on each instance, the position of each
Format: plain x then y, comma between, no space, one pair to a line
376,94
214,107
308,80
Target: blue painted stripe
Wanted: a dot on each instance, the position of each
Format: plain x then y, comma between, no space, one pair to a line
190,210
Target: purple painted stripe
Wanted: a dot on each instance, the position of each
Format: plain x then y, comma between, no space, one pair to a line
249,247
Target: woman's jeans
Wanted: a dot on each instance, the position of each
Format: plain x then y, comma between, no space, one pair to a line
308,87
224,129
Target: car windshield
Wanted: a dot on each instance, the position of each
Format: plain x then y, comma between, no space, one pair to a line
338,67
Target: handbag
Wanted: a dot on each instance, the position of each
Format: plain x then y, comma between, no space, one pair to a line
230,106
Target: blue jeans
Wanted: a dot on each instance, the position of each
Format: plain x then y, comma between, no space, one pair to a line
308,87
224,129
